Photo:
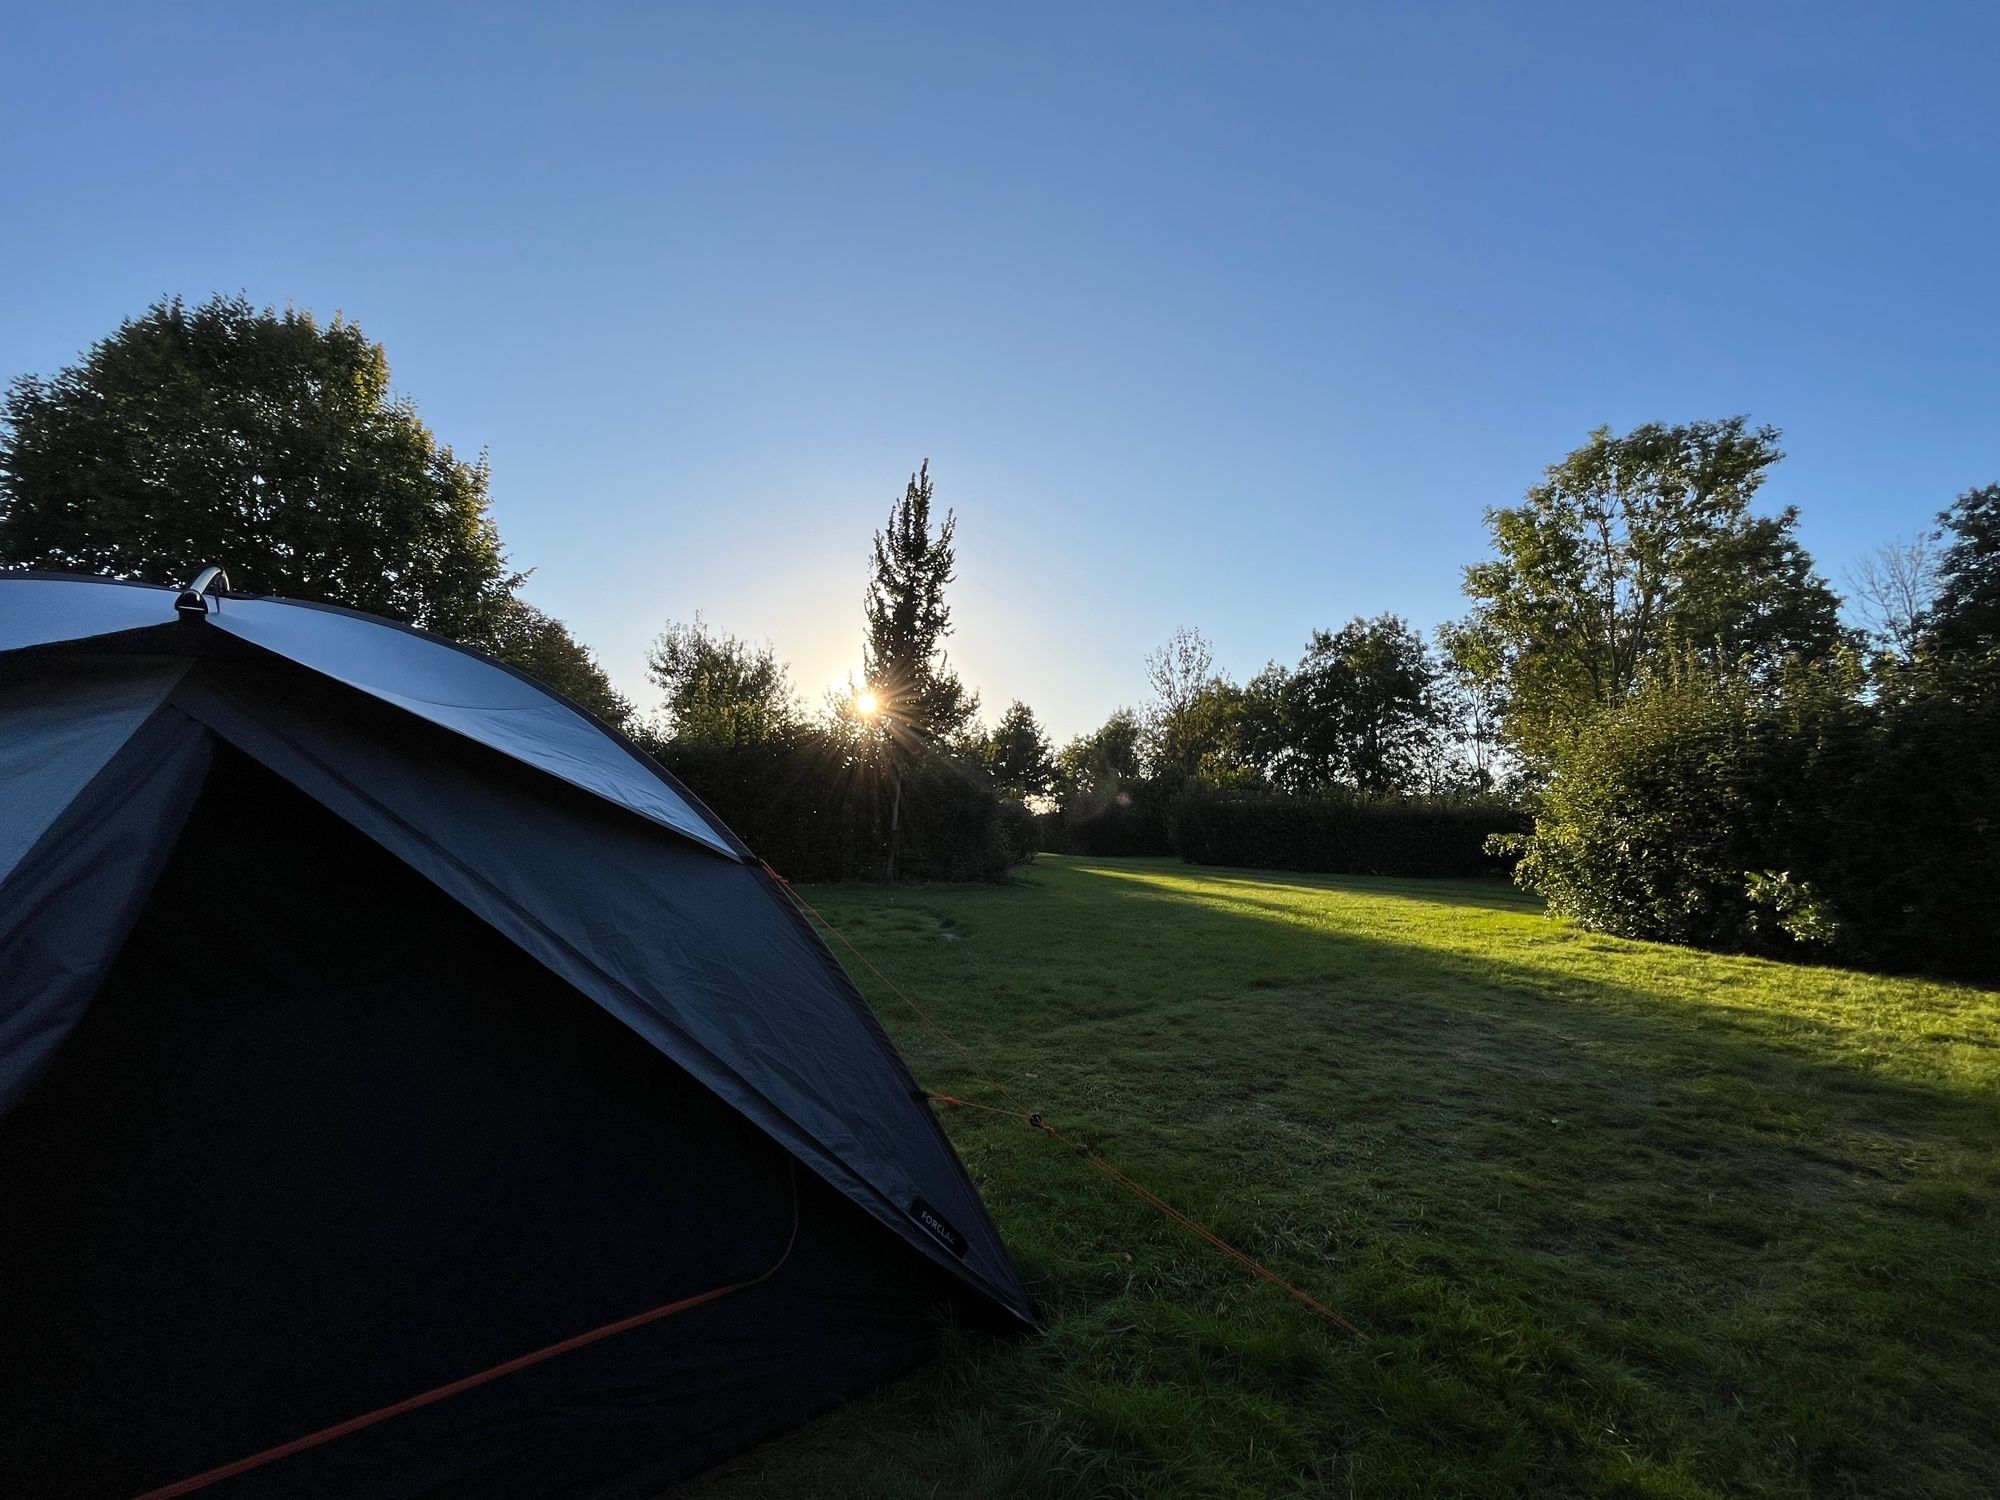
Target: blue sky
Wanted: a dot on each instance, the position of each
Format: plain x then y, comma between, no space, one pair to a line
1228,316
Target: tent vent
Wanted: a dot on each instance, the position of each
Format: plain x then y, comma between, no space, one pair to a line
193,602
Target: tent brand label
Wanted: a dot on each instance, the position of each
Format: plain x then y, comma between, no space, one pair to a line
939,1226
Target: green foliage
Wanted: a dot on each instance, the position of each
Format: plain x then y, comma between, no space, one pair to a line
1904,833
1965,616
1098,764
1657,811
1634,548
541,645
1800,817
720,690
1618,1219
262,441
1344,833
804,801
1017,755
1360,710
903,653
1193,722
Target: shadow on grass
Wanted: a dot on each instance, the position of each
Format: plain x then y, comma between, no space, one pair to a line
1621,1219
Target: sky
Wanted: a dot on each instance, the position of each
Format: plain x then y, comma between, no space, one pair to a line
1235,317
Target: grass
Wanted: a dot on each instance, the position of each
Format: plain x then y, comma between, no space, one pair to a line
1619,1219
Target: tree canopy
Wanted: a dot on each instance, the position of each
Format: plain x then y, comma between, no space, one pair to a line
1017,754
264,441
720,690
1635,547
1099,762
908,620
1964,616
1360,710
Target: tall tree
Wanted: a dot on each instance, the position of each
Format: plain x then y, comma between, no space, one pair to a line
1964,619
1017,754
1193,716
903,654
1359,710
720,690
1636,547
260,440
541,645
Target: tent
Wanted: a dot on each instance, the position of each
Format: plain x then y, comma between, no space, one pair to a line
407,1087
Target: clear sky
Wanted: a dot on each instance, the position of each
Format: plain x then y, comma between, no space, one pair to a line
1223,315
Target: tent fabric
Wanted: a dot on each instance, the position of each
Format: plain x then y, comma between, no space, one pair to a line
60,734
446,684
663,935
67,904
206,1190
289,911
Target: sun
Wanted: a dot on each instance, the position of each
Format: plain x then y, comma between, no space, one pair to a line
865,703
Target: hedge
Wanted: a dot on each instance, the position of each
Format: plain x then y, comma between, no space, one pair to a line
808,808
1351,835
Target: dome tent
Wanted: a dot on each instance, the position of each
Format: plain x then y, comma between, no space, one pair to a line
381,1038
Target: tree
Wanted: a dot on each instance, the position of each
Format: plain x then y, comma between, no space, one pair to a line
1469,699
1017,754
720,690
541,645
1964,619
1101,761
262,441
1892,589
1194,711
907,622
1633,547
1359,710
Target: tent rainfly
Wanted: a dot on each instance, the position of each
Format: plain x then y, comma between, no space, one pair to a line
407,1087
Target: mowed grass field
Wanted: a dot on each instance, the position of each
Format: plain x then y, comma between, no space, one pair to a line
1618,1219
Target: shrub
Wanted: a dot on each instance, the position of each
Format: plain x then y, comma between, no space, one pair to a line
1806,819
1655,815
1344,835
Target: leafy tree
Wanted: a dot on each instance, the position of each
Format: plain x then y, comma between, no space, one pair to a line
720,690
1965,616
1101,761
541,645
1192,721
1633,547
1359,710
263,441
907,622
1017,754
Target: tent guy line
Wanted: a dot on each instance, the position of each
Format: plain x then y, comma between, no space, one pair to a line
216,1475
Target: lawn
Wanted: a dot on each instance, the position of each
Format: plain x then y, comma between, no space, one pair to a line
1617,1219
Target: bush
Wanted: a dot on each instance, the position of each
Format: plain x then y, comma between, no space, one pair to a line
808,807
1655,815
1344,835
1804,820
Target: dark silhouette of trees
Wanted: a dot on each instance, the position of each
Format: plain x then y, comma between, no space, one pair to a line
264,441
908,620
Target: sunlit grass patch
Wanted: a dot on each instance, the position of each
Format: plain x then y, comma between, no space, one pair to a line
1620,1219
